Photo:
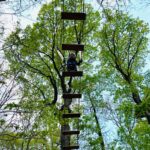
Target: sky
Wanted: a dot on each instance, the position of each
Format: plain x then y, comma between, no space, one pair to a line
136,9
141,10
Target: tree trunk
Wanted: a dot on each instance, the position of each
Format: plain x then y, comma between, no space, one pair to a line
65,140
135,92
148,117
137,100
98,125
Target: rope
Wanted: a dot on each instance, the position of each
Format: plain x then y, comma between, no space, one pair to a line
78,123
83,5
62,33
63,5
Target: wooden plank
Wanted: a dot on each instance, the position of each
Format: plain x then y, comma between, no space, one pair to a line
71,115
69,96
72,73
70,147
70,132
74,47
73,16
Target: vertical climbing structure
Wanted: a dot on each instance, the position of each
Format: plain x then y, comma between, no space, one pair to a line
66,132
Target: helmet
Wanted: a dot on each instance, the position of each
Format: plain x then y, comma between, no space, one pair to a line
72,55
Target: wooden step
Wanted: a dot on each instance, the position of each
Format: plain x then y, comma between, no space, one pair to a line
73,16
69,96
72,73
70,147
74,47
70,132
71,115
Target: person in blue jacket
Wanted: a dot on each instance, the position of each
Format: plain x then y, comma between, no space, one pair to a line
72,63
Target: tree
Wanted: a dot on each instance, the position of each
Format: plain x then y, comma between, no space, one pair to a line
115,3
123,41
37,50
124,45
93,131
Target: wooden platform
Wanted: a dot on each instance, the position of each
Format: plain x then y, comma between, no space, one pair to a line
69,96
70,147
70,132
73,16
72,73
71,115
74,47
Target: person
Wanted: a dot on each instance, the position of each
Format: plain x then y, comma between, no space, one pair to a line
72,63
72,66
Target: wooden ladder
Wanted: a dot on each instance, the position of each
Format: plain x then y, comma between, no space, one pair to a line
70,147
72,47
73,16
71,115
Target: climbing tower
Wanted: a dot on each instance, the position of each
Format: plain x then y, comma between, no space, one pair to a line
69,96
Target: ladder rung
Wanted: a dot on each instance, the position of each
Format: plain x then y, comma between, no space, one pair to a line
75,47
69,96
70,132
73,16
71,115
70,147
72,73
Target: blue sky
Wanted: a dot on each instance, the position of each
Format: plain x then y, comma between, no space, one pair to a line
141,10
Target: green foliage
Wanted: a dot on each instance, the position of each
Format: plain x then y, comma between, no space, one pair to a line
2,122
10,106
123,43
142,108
